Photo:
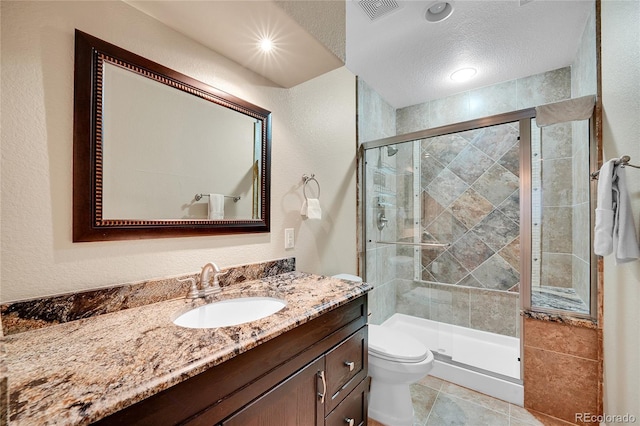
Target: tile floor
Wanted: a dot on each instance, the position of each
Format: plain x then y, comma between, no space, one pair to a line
437,402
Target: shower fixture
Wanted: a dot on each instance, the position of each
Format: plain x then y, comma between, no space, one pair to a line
391,151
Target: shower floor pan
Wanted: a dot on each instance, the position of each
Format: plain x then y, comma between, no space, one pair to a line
478,360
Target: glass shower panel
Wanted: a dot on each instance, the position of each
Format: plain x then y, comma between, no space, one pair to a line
442,228
561,255
389,218
469,193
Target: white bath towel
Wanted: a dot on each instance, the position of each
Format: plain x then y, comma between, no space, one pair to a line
615,230
216,206
311,208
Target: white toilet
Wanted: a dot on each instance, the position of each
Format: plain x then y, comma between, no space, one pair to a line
396,360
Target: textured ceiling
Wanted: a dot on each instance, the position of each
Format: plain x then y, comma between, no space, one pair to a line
401,55
408,60
233,28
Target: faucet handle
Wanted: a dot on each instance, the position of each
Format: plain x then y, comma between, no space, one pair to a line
193,288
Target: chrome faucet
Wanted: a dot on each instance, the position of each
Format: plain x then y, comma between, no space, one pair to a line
204,287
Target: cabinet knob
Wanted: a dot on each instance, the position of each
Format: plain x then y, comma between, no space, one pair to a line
349,421
350,364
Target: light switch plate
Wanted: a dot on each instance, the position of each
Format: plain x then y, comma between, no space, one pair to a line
289,238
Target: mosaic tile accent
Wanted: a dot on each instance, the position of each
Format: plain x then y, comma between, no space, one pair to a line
4,385
38,313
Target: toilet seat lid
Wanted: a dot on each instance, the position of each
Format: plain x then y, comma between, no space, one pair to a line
395,345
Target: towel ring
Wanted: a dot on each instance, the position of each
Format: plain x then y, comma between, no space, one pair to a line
306,179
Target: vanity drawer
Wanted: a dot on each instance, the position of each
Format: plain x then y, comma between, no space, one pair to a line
353,410
346,366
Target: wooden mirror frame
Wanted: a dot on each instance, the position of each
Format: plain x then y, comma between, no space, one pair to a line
88,223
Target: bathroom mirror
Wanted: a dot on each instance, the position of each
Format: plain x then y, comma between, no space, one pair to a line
159,154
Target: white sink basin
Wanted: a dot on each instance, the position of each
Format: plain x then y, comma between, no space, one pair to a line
230,312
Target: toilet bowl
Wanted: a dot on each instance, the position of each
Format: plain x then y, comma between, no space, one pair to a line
396,360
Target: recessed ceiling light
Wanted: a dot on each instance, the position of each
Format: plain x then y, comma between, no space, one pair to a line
266,45
439,11
463,74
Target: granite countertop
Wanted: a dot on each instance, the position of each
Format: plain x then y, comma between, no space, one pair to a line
81,371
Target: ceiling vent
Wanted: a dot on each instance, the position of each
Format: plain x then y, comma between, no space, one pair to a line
376,9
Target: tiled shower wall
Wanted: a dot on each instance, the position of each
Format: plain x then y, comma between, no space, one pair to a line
387,266
376,120
469,192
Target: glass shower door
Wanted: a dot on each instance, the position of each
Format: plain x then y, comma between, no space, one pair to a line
443,239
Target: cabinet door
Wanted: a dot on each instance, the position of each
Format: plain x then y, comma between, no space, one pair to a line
294,402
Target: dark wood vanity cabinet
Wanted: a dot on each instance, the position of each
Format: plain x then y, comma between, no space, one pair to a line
314,374
322,388
292,402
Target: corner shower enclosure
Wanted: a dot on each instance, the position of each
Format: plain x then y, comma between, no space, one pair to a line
453,231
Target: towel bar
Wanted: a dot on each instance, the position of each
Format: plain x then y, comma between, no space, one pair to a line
623,162
402,243
236,198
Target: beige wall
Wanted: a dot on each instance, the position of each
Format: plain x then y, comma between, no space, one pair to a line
313,132
621,135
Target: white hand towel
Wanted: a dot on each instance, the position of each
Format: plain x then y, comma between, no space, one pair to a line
603,231
216,206
311,209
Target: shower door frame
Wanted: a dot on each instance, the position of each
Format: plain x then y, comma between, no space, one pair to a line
523,117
